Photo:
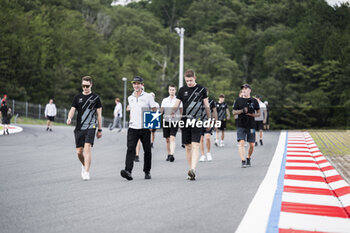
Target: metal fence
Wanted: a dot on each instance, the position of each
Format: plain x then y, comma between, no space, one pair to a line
37,111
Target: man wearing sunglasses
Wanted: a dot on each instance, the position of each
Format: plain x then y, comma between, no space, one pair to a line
89,117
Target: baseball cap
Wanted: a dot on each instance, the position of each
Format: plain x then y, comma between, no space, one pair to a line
137,79
246,86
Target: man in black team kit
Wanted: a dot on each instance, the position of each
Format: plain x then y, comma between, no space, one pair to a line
223,114
193,97
89,117
139,101
247,108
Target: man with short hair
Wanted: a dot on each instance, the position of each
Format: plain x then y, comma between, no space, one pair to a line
247,108
260,121
169,128
193,97
139,102
223,114
117,115
50,113
89,107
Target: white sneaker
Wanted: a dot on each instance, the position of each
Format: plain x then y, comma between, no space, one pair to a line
216,142
86,176
82,171
209,158
222,144
202,158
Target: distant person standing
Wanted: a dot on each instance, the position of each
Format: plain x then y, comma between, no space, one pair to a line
247,108
118,109
193,96
169,130
139,102
89,107
260,121
50,113
4,110
267,124
153,134
206,134
223,115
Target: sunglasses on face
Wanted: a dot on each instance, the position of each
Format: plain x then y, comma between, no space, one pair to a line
85,86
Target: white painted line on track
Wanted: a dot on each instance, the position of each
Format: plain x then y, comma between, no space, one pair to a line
259,208
307,222
312,199
309,184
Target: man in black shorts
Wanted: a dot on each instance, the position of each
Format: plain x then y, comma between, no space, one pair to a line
50,113
89,109
260,121
247,108
193,97
223,115
169,128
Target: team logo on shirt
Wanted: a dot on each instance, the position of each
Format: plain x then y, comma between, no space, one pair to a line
186,93
80,100
151,120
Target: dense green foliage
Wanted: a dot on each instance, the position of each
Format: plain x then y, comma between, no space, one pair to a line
296,54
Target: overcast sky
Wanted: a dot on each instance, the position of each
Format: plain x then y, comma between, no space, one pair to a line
332,2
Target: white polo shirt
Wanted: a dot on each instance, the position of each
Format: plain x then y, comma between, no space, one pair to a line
118,109
137,106
168,104
50,110
262,112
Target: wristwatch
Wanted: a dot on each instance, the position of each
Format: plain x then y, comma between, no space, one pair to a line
99,130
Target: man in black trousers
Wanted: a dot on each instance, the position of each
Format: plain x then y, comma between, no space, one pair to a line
139,101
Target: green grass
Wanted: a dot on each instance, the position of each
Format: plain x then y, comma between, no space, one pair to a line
31,121
332,142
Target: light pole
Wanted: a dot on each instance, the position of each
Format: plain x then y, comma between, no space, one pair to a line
124,107
181,33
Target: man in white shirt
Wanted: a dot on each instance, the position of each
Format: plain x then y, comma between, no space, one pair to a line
260,121
117,115
50,113
169,130
139,102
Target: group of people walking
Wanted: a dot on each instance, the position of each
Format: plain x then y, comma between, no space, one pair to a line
185,110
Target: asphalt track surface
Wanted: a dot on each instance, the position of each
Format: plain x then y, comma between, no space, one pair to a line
41,189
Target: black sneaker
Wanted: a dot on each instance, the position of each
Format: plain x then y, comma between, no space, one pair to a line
7,131
148,176
256,143
50,130
244,165
126,174
47,129
137,159
248,162
261,142
191,173
171,159
168,158
183,146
